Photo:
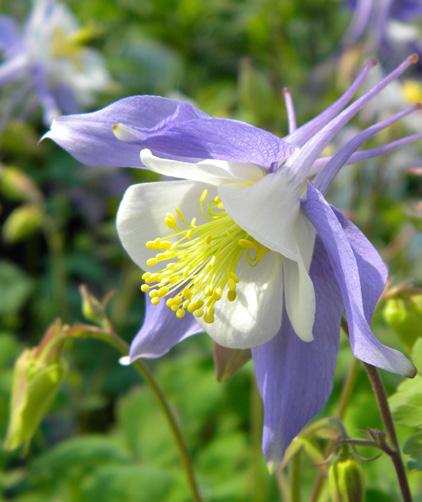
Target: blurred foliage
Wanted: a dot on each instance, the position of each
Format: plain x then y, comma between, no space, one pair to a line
105,438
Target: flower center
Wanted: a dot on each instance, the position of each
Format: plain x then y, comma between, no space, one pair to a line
70,45
201,260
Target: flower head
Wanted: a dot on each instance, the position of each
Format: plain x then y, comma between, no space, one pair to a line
382,21
244,245
49,57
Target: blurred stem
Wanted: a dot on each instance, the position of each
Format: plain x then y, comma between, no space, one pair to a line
344,402
118,343
55,245
384,409
295,466
259,485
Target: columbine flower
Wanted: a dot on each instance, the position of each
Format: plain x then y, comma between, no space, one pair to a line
381,22
244,245
50,59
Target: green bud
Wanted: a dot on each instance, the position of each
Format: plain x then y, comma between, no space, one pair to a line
92,309
16,185
37,376
346,480
22,223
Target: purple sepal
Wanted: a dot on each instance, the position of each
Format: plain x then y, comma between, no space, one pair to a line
365,346
294,377
161,331
89,137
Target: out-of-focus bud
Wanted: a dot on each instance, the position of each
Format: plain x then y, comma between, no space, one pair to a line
23,222
228,361
37,376
16,185
92,309
346,479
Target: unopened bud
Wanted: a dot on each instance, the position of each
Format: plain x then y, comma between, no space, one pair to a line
37,376
22,223
92,309
16,185
346,480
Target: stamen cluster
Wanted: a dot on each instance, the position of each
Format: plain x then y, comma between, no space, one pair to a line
202,260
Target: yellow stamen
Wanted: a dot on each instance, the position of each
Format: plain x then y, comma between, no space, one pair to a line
201,260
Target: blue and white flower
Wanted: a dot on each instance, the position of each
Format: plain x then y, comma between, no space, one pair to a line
48,58
244,245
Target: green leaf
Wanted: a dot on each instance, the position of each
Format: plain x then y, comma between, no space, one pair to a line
406,403
134,483
413,447
15,287
404,316
75,458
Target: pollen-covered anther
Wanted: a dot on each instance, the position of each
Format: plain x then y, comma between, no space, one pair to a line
201,260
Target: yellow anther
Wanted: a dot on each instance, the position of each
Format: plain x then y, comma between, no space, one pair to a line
144,288
217,293
163,291
153,293
220,206
217,199
203,196
231,295
155,300
169,302
180,313
185,304
246,243
164,245
180,215
170,221
150,245
209,316
151,262
174,308
198,313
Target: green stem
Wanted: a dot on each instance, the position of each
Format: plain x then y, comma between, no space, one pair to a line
344,402
295,475
384,409
119,344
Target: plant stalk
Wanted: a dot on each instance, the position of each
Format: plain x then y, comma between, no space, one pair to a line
118,343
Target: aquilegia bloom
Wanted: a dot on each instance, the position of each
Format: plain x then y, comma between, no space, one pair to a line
48,58
244,245
382,21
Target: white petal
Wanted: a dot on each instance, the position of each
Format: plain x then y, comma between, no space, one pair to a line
299,298
209,171
299,290
267,210
255,316
141,213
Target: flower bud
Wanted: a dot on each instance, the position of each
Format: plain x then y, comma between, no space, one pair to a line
16,185
346,481
92,309
37,376
22,223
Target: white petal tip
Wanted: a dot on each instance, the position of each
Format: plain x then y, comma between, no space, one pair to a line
125,361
